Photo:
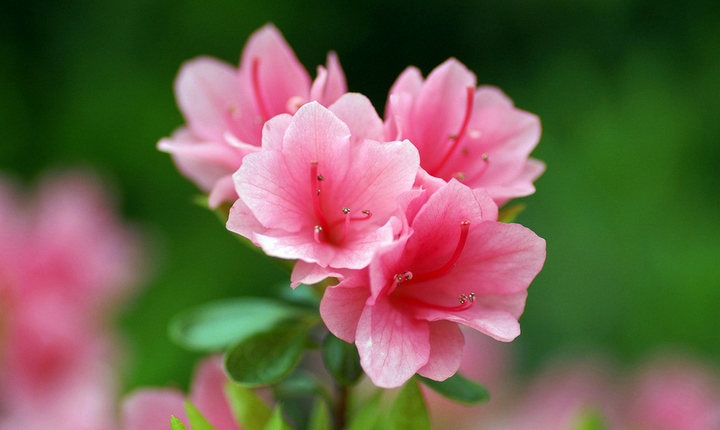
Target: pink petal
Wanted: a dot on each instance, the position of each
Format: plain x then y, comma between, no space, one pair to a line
280,74
208,394
204,162
399,119
208,92
358,113
274,131
311,273
223,191
242,221
446,350
343,304
152,409
410,81
488,95
330,83
520,186
496,323
440,106
393,346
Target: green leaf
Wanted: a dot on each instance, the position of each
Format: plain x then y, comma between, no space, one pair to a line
265,358
217,325
409,411
197,420
320,417
176,424
459,388
342,360
510,213
590,420
369,416
249,410
277,422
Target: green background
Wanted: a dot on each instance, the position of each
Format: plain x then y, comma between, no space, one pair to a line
628,93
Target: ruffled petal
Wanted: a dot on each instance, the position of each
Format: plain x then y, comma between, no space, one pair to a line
330,83
343,304
358,113
446,349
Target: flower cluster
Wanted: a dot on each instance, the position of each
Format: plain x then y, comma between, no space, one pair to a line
64,258
402,211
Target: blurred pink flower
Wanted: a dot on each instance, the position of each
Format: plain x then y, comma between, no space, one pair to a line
674,394
321,191
558,398
402,310
151,409
225,108
64,257
461,131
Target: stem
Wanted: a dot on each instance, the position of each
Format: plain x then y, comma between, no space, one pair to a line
342,404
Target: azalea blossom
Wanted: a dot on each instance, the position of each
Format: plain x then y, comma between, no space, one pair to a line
321,191
455,264
225,107
473,134
64,255
151,409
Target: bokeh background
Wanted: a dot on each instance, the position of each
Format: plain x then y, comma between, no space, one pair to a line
628,93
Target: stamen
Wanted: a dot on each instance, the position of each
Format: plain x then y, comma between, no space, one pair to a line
482,170
456,138
367,216
255,77
317,232
315,180
466,302
346,211
399,279
444,270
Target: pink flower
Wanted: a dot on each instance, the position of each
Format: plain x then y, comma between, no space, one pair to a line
225,108
455,265
674,395
320,191
461,131
151,409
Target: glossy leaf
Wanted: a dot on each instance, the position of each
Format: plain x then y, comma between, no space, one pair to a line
277,422
215,326
320,417
342,360
176,424
197,420
267,357
409,411
249,410
459,389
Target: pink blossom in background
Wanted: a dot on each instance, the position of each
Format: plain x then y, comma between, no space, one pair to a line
321,190
225,107
151,409
65,259
673,394
455,265
473,134
558,398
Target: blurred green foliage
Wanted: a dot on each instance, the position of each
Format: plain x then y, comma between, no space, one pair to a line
628,92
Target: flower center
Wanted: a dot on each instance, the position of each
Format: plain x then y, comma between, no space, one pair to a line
323,230
466,300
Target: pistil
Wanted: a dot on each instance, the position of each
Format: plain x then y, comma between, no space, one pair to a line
255,77
456,138
445,269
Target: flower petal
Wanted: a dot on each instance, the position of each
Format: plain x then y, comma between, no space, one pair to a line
393,346
208,394
330,83
152,409
446,349
358,113
343,304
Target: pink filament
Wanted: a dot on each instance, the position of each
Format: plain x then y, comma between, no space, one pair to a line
460,134
315,190
444,270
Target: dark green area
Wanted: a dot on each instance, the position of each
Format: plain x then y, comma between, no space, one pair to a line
628,92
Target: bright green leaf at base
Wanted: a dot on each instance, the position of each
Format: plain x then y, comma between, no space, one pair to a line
459,389
249,410
369,416
176,424
409,411
277,422
342,360
265,358
197,420
320,417
217,325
